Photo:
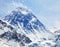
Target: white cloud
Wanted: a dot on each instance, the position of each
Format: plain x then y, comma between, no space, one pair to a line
13,6
55,27
57,24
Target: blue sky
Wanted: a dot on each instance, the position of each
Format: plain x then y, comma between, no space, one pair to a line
47,11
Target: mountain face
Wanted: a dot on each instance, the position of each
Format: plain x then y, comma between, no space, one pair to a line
57,38
28,22
22,28
8,33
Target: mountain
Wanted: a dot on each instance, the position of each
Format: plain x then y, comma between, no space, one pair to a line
26,23
24,19
11,37
9,34
57,38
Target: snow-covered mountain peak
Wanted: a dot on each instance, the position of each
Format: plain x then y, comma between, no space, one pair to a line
21,10
29,24
24,17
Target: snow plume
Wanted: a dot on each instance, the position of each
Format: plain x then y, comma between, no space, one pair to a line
17,7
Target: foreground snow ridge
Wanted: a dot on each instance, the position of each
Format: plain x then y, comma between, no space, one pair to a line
21,28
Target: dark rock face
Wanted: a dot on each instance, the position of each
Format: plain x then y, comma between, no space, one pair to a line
28,22
57,38
16,37
12,34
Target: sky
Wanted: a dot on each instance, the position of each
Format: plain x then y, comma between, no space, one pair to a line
47,11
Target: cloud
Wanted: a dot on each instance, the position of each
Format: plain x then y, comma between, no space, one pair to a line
56,26
12,6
